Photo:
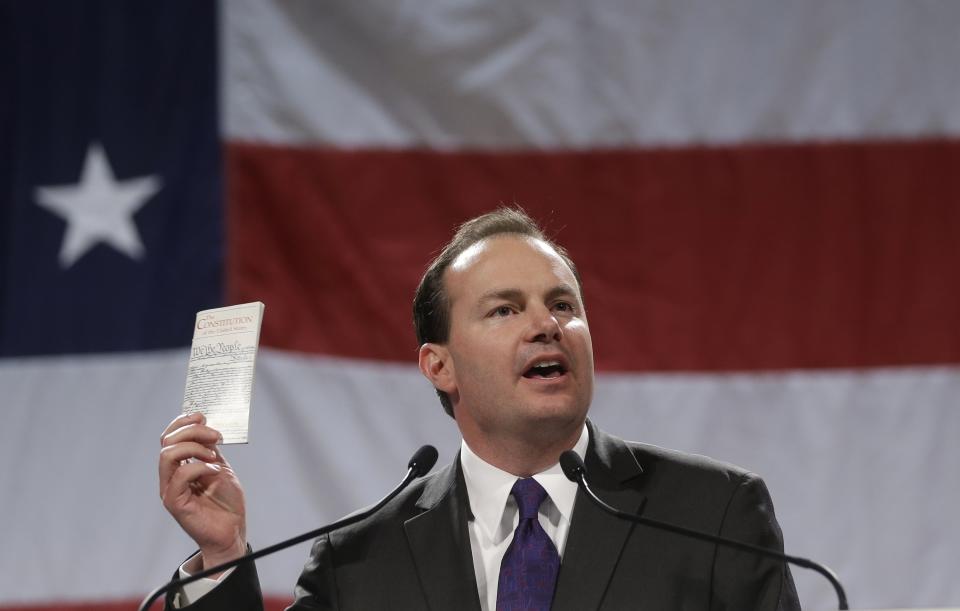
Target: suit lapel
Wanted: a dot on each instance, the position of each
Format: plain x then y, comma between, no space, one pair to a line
596,538
440,543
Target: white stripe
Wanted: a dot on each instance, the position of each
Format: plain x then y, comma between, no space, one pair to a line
861,465
582,75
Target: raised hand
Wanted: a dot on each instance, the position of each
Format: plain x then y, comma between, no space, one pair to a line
200,490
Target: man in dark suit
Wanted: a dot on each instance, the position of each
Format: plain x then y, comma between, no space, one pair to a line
504,339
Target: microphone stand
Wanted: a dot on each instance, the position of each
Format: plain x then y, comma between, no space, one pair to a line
419,465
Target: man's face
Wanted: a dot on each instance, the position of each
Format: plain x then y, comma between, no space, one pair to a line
520,356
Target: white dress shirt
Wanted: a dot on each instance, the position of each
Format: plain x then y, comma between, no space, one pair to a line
495,514
495,517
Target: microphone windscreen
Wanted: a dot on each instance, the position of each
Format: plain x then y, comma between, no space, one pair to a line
572,465
423,460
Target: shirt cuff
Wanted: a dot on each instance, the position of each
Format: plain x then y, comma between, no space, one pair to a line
190,593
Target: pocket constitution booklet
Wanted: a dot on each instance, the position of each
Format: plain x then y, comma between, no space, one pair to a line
220,370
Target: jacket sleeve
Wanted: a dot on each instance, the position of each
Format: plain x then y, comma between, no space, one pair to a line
239,591
744,580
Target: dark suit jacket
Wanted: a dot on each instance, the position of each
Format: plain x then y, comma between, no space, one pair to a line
415,553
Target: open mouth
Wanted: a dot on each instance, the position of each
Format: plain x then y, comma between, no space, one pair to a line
546,370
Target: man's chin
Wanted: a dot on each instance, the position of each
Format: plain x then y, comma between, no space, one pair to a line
545,415
552,399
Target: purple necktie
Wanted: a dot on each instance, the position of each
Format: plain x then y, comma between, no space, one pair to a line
528,572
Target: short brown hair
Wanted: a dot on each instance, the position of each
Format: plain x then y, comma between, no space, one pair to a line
431,306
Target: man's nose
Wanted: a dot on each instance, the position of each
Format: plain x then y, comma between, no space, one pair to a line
544,326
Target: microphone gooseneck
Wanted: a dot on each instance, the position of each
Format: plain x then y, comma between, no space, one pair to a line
420,464
576,471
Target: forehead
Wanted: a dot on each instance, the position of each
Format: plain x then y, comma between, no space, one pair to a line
507,262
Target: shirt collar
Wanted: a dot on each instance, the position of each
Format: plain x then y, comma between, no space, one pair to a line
488,487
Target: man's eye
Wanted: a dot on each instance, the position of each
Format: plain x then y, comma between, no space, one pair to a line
502,311
563,306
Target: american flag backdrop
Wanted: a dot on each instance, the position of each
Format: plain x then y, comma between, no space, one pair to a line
763,200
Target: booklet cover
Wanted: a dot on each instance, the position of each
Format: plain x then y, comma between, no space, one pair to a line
220,371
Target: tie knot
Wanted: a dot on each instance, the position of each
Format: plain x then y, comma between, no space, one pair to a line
528,494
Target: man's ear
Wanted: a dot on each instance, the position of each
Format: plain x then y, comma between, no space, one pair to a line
437,366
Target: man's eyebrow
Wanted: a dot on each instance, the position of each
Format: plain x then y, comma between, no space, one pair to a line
501,294
561,290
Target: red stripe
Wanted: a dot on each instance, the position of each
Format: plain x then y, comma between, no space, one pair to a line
740,258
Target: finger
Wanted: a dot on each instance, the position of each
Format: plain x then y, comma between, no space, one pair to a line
181,483
220,458
180,452
171,457
200,433
183,420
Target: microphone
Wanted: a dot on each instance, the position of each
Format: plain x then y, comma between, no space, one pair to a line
576,472
422,461
420,464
